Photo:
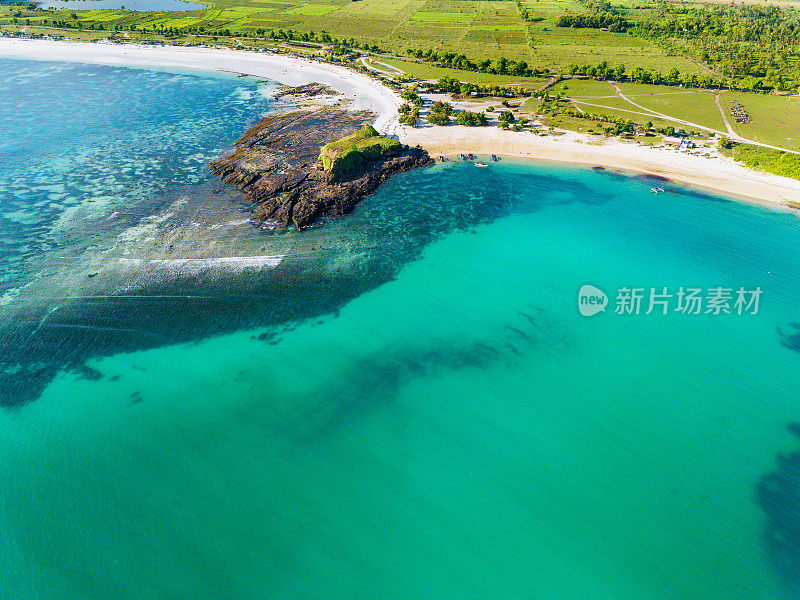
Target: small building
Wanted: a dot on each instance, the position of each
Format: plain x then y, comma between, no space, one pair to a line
673,141
641,131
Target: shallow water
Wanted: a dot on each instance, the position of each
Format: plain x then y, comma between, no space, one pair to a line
405,403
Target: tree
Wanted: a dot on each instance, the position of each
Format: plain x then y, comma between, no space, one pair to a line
502,65
442,107
440,113
411,96
438,118
638,74
506,116
470,119
519,68
410,118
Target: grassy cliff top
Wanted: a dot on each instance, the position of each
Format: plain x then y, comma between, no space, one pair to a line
351,151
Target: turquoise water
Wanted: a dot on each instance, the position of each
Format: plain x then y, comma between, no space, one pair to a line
408,405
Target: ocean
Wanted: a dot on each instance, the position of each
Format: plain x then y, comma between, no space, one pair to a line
405,403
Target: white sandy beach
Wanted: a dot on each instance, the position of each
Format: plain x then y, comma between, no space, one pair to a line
363,91
718,174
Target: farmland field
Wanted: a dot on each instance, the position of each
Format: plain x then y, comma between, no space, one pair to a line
476,28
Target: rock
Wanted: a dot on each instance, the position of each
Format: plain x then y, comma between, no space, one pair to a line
277,166
308,90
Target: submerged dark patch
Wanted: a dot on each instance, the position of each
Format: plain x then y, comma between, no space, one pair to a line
778,495
373,384
41,337
790,340
652,177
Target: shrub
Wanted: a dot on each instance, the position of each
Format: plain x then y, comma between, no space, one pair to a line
470,119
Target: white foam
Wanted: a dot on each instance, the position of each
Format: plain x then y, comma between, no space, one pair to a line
197,265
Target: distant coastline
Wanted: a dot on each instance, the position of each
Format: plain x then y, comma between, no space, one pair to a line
716,173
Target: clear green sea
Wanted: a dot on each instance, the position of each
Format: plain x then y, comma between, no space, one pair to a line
403,404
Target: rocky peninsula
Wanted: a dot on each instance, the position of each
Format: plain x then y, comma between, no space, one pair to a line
304,165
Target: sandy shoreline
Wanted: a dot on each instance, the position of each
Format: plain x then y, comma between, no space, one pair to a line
363,92
718,174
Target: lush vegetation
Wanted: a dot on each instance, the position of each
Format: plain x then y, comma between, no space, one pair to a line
409,114
765,159
599,15
471,119
454,86
349,152
755,45
440,113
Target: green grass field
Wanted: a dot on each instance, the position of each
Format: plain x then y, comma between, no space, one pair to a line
696,106
691,105
775,119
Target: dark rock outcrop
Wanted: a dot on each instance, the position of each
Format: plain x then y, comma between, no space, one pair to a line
308,90
276,165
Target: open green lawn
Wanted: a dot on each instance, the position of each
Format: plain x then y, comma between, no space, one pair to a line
775,119
688,104
587,92
587,89
692,105
634,115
